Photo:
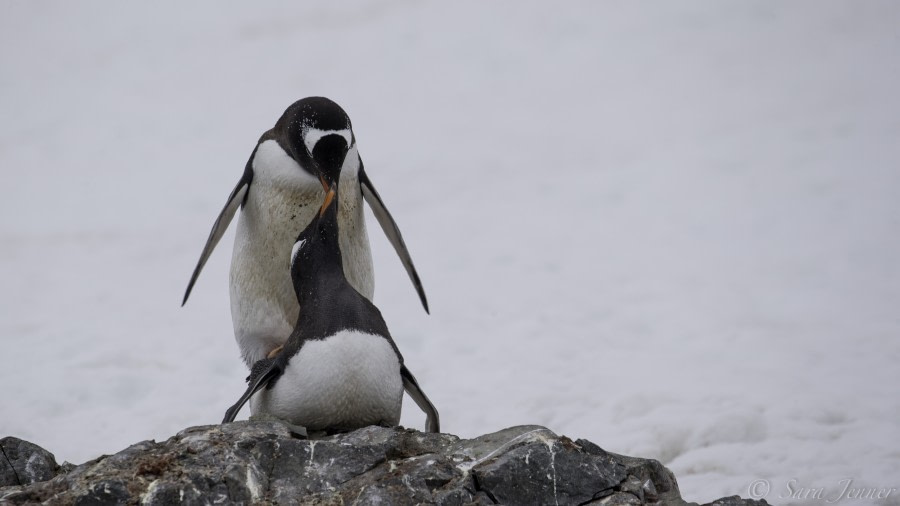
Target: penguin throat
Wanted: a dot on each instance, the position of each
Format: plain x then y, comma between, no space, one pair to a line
319,273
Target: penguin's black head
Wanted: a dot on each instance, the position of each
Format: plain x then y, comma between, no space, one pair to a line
316,253
318,134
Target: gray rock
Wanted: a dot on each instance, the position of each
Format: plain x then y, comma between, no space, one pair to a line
736,501
261,462
23,463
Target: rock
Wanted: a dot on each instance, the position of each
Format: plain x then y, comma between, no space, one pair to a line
23,463
261,462
736,501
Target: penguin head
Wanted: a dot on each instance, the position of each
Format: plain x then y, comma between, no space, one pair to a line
318,134
316,253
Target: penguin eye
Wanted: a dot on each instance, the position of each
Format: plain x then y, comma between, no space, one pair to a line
296,249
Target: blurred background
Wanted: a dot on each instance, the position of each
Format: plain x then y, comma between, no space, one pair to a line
670,228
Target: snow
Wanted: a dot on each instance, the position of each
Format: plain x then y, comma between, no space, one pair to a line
670,228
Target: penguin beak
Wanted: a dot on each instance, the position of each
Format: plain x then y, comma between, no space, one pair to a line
329,199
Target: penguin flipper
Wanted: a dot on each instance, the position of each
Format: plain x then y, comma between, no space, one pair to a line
263,372
391,231
432,419
235,200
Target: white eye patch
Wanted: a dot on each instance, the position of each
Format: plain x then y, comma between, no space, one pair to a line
313,135
296,249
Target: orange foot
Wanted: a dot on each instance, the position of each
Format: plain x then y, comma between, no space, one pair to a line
275,352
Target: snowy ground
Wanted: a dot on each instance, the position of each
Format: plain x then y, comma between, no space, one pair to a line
670,228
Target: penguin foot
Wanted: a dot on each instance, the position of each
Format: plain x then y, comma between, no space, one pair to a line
275,352
297,430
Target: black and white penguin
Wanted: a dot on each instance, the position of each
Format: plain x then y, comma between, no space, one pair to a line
281,188
339,369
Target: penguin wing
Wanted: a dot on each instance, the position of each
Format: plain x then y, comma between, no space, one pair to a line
391,231
432,419
235,200
263,372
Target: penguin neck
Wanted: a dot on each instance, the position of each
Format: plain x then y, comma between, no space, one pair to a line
318,279
321,289
322,272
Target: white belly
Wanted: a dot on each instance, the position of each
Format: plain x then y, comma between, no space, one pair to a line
281,202
347,381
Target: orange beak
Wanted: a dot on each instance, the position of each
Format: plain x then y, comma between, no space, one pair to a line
329,198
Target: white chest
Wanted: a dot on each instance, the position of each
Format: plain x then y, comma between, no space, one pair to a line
349,380
282,200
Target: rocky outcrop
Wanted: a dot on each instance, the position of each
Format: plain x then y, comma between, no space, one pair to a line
263,463
24,463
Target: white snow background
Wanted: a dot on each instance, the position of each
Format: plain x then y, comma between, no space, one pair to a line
670,228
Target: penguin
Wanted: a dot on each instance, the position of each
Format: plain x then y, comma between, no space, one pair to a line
340,369
280,187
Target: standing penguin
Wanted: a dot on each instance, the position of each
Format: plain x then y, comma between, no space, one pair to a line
339,370
279,189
